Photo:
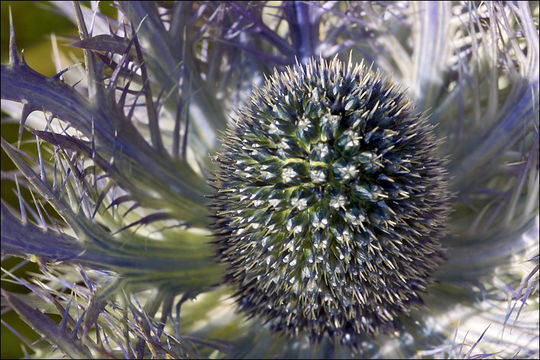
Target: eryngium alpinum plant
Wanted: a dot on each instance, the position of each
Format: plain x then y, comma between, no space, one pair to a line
146,216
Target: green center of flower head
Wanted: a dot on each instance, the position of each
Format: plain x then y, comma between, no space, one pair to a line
330,202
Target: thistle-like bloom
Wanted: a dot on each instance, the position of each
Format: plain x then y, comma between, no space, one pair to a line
112,170
331,202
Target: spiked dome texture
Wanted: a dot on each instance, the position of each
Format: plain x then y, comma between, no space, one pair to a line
331,201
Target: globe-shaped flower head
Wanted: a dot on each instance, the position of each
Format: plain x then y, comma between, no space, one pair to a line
330,204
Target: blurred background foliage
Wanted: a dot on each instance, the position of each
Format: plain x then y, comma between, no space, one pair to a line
34,22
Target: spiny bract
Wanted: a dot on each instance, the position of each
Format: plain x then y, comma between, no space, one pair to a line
330,202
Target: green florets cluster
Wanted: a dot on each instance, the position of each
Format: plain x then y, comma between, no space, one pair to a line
330,202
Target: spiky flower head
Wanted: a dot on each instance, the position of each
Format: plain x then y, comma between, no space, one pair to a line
331,202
